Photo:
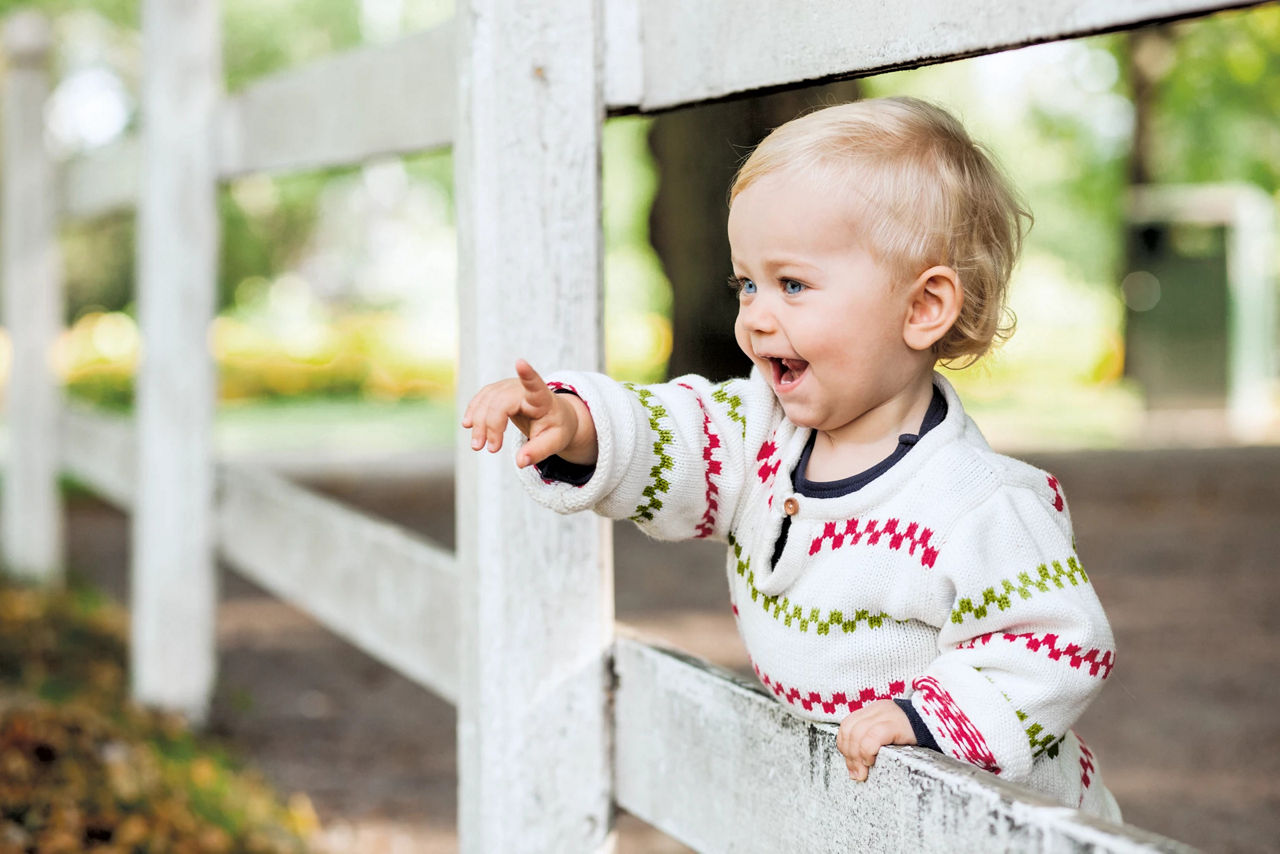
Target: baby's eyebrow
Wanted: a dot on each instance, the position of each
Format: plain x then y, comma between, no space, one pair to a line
788,263
775,262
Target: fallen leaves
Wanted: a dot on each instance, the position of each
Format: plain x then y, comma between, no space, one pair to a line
81,769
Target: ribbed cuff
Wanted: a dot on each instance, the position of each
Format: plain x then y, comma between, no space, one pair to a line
924,738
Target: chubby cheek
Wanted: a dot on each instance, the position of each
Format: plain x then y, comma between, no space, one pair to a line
744,340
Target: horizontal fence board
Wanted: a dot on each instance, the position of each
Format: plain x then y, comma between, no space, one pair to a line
699,51
102,181
623,54
100,450
712,761
394,98
389,592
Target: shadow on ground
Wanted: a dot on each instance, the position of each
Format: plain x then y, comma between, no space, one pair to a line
1183,546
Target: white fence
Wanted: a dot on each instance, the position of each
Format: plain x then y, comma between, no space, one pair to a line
558,719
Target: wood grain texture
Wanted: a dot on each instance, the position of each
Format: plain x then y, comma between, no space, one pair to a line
714,762
537,598
699,51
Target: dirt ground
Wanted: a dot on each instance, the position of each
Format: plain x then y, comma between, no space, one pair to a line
1183,546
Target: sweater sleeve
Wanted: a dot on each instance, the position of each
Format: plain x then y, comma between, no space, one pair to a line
670,456
1025,645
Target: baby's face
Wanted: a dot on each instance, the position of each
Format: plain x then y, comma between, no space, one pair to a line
818,314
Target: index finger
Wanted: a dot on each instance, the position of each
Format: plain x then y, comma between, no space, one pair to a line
535,386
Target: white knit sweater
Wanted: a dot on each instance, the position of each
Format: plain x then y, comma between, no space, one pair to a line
951,579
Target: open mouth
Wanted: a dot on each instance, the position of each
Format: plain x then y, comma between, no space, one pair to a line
788,371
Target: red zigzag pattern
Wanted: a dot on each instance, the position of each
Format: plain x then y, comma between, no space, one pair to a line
1087,768
936,703
1058,503
874,531
768,465
829,705
1099,661
708,521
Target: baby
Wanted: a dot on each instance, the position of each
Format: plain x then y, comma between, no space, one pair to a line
888,571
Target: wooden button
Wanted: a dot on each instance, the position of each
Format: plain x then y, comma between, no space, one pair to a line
791,506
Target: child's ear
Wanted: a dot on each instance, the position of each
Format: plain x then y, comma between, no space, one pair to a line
935,301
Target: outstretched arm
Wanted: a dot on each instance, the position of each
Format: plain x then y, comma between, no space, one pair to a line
555,424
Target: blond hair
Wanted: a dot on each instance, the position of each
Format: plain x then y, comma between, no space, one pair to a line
934,197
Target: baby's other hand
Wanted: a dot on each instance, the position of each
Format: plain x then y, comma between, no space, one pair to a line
550,421
864,732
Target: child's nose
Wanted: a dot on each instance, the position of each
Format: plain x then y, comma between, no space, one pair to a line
757,314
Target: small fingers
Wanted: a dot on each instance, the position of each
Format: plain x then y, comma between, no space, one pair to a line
541,445
537,395
486,419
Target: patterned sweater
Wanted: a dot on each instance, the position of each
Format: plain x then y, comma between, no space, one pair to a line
951,580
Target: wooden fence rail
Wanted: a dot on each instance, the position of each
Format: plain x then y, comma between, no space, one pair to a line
558,719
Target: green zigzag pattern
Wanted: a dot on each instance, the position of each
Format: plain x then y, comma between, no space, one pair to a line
658,484
789,614
1057,577
721,395
1046,743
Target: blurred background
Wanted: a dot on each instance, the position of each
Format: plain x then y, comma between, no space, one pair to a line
337,333
336,292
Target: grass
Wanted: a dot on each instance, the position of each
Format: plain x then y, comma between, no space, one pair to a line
83,769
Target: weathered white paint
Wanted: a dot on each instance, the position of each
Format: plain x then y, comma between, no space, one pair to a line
100,450
698,51
387,591
31,506
1249,216
537,597
389,99
714,762
174,595
102,181
623,54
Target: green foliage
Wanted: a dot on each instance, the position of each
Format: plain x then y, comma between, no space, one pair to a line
98,260
123,12
1218,107
1077,217
262,36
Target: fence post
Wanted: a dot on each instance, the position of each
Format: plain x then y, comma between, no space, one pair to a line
33,306
537,595
174,585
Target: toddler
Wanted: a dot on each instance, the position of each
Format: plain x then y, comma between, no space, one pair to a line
889,572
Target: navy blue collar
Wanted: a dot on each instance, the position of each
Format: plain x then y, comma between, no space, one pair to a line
934,416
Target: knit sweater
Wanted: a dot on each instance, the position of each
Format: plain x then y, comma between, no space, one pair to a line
951,580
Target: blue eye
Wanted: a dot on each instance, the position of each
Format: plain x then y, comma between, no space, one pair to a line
742,285
791,286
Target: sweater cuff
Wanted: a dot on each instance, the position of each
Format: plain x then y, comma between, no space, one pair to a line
924,738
